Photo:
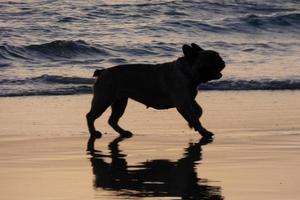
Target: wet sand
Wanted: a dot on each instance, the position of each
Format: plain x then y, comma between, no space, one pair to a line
254,154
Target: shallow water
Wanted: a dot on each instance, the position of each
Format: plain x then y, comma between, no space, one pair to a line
53,47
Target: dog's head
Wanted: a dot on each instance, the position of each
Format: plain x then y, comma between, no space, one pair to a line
205,65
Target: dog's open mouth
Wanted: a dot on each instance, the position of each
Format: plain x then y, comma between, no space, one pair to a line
216,76
211,77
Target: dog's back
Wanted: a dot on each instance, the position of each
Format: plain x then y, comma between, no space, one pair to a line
142,82
136,76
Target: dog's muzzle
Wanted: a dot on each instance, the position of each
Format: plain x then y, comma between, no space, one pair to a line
216,76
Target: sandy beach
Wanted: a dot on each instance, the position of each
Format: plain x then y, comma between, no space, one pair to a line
254,154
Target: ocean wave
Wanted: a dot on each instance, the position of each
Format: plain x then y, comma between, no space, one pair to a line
65,48
57,49
48,79
45,85
4,65
265,7
68,19
8,52
267,84
60,85
57,91
249,23
194,25
252,22
289,19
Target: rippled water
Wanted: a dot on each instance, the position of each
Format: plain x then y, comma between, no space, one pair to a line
52,47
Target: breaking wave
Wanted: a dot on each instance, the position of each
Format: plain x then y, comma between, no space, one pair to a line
57,49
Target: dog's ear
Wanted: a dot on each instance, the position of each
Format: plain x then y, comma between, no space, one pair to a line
98,72
189,52
196,47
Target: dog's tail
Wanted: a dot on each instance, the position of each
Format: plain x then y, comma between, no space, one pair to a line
98,72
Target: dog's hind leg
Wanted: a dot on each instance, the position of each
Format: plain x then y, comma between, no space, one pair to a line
99,105
117,110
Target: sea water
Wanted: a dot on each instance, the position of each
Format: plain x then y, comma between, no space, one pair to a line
52,47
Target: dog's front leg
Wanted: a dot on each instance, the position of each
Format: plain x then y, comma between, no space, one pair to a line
197,110
185,108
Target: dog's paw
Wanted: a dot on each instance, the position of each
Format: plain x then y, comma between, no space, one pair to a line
207,134
126,134
97,135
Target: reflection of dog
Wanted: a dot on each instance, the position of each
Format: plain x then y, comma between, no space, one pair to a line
160,86
152,178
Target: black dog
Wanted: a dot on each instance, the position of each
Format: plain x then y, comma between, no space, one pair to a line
160,86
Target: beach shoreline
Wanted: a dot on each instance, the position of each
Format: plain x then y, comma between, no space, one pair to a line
254,154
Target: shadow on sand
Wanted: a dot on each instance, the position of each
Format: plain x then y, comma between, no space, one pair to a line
154,178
